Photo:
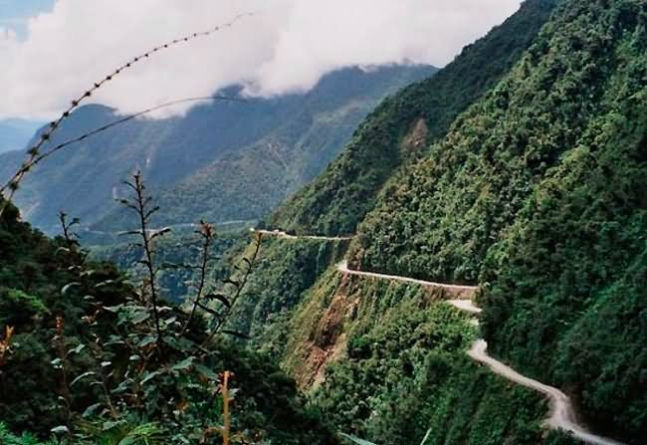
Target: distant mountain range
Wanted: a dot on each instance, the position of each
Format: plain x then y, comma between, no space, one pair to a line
14,133
221,161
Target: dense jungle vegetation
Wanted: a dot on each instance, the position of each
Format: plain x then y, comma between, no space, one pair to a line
90,358
383,361
538,193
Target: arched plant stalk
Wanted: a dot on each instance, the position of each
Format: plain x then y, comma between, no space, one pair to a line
35,151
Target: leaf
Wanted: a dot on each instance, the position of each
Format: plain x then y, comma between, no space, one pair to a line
61,429
68,286
150,376
91,410
184,364
208,373
130,232
140,317
160,232
104,283
148,340
85,375
77,349
218,297
114,340
357,440
113,309
108,425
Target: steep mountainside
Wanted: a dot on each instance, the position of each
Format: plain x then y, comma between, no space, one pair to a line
402,127
273,145
536,193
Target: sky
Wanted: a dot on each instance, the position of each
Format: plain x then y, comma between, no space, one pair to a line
53,50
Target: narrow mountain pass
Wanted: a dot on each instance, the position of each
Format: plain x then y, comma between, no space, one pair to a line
461,291
562,411
281,234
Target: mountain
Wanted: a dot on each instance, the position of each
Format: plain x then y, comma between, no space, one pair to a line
537,194
15,133
529,185
517,187
226,160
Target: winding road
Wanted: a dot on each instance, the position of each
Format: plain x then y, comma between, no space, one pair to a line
562,411
281,234
343,268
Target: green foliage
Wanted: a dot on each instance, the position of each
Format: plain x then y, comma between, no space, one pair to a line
537,193
405,376
286,269
34,272
7,438
340,197
101,362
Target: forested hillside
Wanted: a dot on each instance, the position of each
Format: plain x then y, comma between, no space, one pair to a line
538,193
399,131
535,193
224,160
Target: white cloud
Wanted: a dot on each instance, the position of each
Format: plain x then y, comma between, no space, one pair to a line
286,46
8,38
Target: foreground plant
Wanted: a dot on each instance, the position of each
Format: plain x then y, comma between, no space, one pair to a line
149,366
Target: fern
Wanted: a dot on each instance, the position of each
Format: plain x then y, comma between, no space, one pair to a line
7,438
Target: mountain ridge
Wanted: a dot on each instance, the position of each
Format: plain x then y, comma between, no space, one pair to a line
169,151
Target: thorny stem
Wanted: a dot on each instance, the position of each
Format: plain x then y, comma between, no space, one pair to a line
106,393
141,208
225,429
239,288
95,349
5,346
70,242
225,409
206,231
59,339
